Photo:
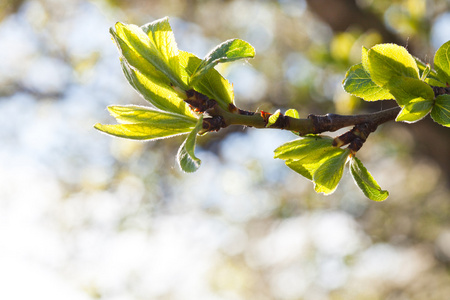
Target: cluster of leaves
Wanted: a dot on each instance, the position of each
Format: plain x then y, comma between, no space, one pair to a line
164,76
388,71
318,159
315,158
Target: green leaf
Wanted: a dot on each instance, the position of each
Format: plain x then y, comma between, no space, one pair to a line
365,58
326,178
186,158
434,82
306,154
141,114
136,60
414,111
425,72
161,35
389,60
306,146
141,131
315,158
431,77
228,51
273,118
406,90
357,82
156,91
308,164
212,84
154,42
145,123
293,113
442,62
150,56
441,110
366,182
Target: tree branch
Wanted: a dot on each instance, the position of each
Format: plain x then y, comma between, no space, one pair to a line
215,118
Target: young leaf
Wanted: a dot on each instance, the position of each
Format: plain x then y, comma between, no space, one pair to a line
365,58
326,178
366,182
273,118
431,76
357,82
308,164
442,62
145,123
228,51
156,46
406,90
414,111
141,114
441,110
293,113
186,158
135,60
389,60
432,81
161,35
306,146
156,91
425,72
306,155
141,131
212,84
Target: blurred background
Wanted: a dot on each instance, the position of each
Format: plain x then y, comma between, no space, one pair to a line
88,216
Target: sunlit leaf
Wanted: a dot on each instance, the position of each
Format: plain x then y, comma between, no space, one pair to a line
365,58
406,90
136,60
156,91
432,77
389,60
414,111
442,62
186,158
273,118
228,51
425,72
441,110
142,123
434,82
366,182
212,84
293,113
358,83
141,114
307,154
156,45
326,178
299,148
161,35
308,164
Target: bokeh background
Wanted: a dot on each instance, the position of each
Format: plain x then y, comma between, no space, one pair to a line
88,216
